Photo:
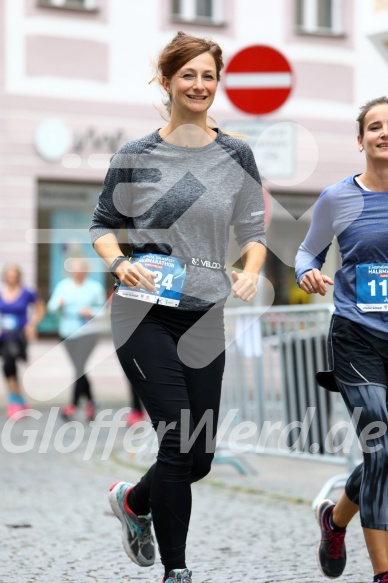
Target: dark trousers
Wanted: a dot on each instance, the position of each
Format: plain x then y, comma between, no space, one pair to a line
174,360
79,350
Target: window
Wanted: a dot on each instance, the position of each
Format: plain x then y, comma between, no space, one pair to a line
319,17
70,4
197,11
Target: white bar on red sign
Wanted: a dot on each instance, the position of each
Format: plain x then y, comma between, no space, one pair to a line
257,80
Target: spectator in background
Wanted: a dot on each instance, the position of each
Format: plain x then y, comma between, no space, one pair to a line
17,328
77,299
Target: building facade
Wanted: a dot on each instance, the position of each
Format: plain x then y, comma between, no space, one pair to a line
74,86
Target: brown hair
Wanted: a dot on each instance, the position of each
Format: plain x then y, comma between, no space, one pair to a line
364,110
181,49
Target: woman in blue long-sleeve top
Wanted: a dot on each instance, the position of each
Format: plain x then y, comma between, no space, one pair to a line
355,211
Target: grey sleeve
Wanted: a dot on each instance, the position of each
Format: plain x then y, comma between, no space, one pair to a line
109,214
248,214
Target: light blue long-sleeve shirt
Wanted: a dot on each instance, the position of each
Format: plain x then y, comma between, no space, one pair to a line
68,299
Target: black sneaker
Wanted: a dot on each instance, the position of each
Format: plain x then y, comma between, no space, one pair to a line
331,551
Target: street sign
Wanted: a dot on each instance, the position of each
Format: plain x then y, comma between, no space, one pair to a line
258,79
274,145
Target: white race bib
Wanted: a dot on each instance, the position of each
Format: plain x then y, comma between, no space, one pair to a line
170,278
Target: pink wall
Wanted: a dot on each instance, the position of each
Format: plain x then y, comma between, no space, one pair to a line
72,58
323,81
55,106
2,46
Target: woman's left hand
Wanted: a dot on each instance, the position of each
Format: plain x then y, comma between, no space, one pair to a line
244,285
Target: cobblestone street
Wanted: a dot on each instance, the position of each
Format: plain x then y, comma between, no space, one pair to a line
57,525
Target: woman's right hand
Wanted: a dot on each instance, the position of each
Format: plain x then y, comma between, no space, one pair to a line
136,275
314,282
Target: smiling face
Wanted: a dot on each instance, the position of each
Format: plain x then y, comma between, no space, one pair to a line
375,138
193,87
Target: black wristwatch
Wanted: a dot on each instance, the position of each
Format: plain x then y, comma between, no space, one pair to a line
114,265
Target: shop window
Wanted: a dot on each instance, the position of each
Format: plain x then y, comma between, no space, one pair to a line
86,5
320,17
64,211
198,11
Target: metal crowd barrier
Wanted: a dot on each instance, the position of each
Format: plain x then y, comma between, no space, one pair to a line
269,382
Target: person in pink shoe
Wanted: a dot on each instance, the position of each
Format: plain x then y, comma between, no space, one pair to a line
78,300
18,324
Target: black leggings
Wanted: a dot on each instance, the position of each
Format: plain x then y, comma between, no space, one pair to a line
175,362
12,348
79,350
368,483
9,366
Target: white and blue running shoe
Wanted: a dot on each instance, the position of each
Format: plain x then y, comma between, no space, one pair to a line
136,534
179,576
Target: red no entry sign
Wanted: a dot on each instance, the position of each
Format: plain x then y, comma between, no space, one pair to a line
258,79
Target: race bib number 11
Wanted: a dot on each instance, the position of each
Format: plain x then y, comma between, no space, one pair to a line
170,278
372,287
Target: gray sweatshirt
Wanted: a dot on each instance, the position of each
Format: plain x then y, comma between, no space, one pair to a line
181,201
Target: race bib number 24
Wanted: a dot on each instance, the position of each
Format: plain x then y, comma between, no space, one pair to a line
170,277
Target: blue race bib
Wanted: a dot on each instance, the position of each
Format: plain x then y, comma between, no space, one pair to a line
372,287
170,278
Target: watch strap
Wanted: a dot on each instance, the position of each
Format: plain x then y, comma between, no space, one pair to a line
116,262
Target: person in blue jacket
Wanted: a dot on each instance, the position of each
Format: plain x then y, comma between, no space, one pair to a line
355,210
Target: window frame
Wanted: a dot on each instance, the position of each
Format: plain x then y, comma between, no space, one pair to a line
188,13
88,5
310,24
